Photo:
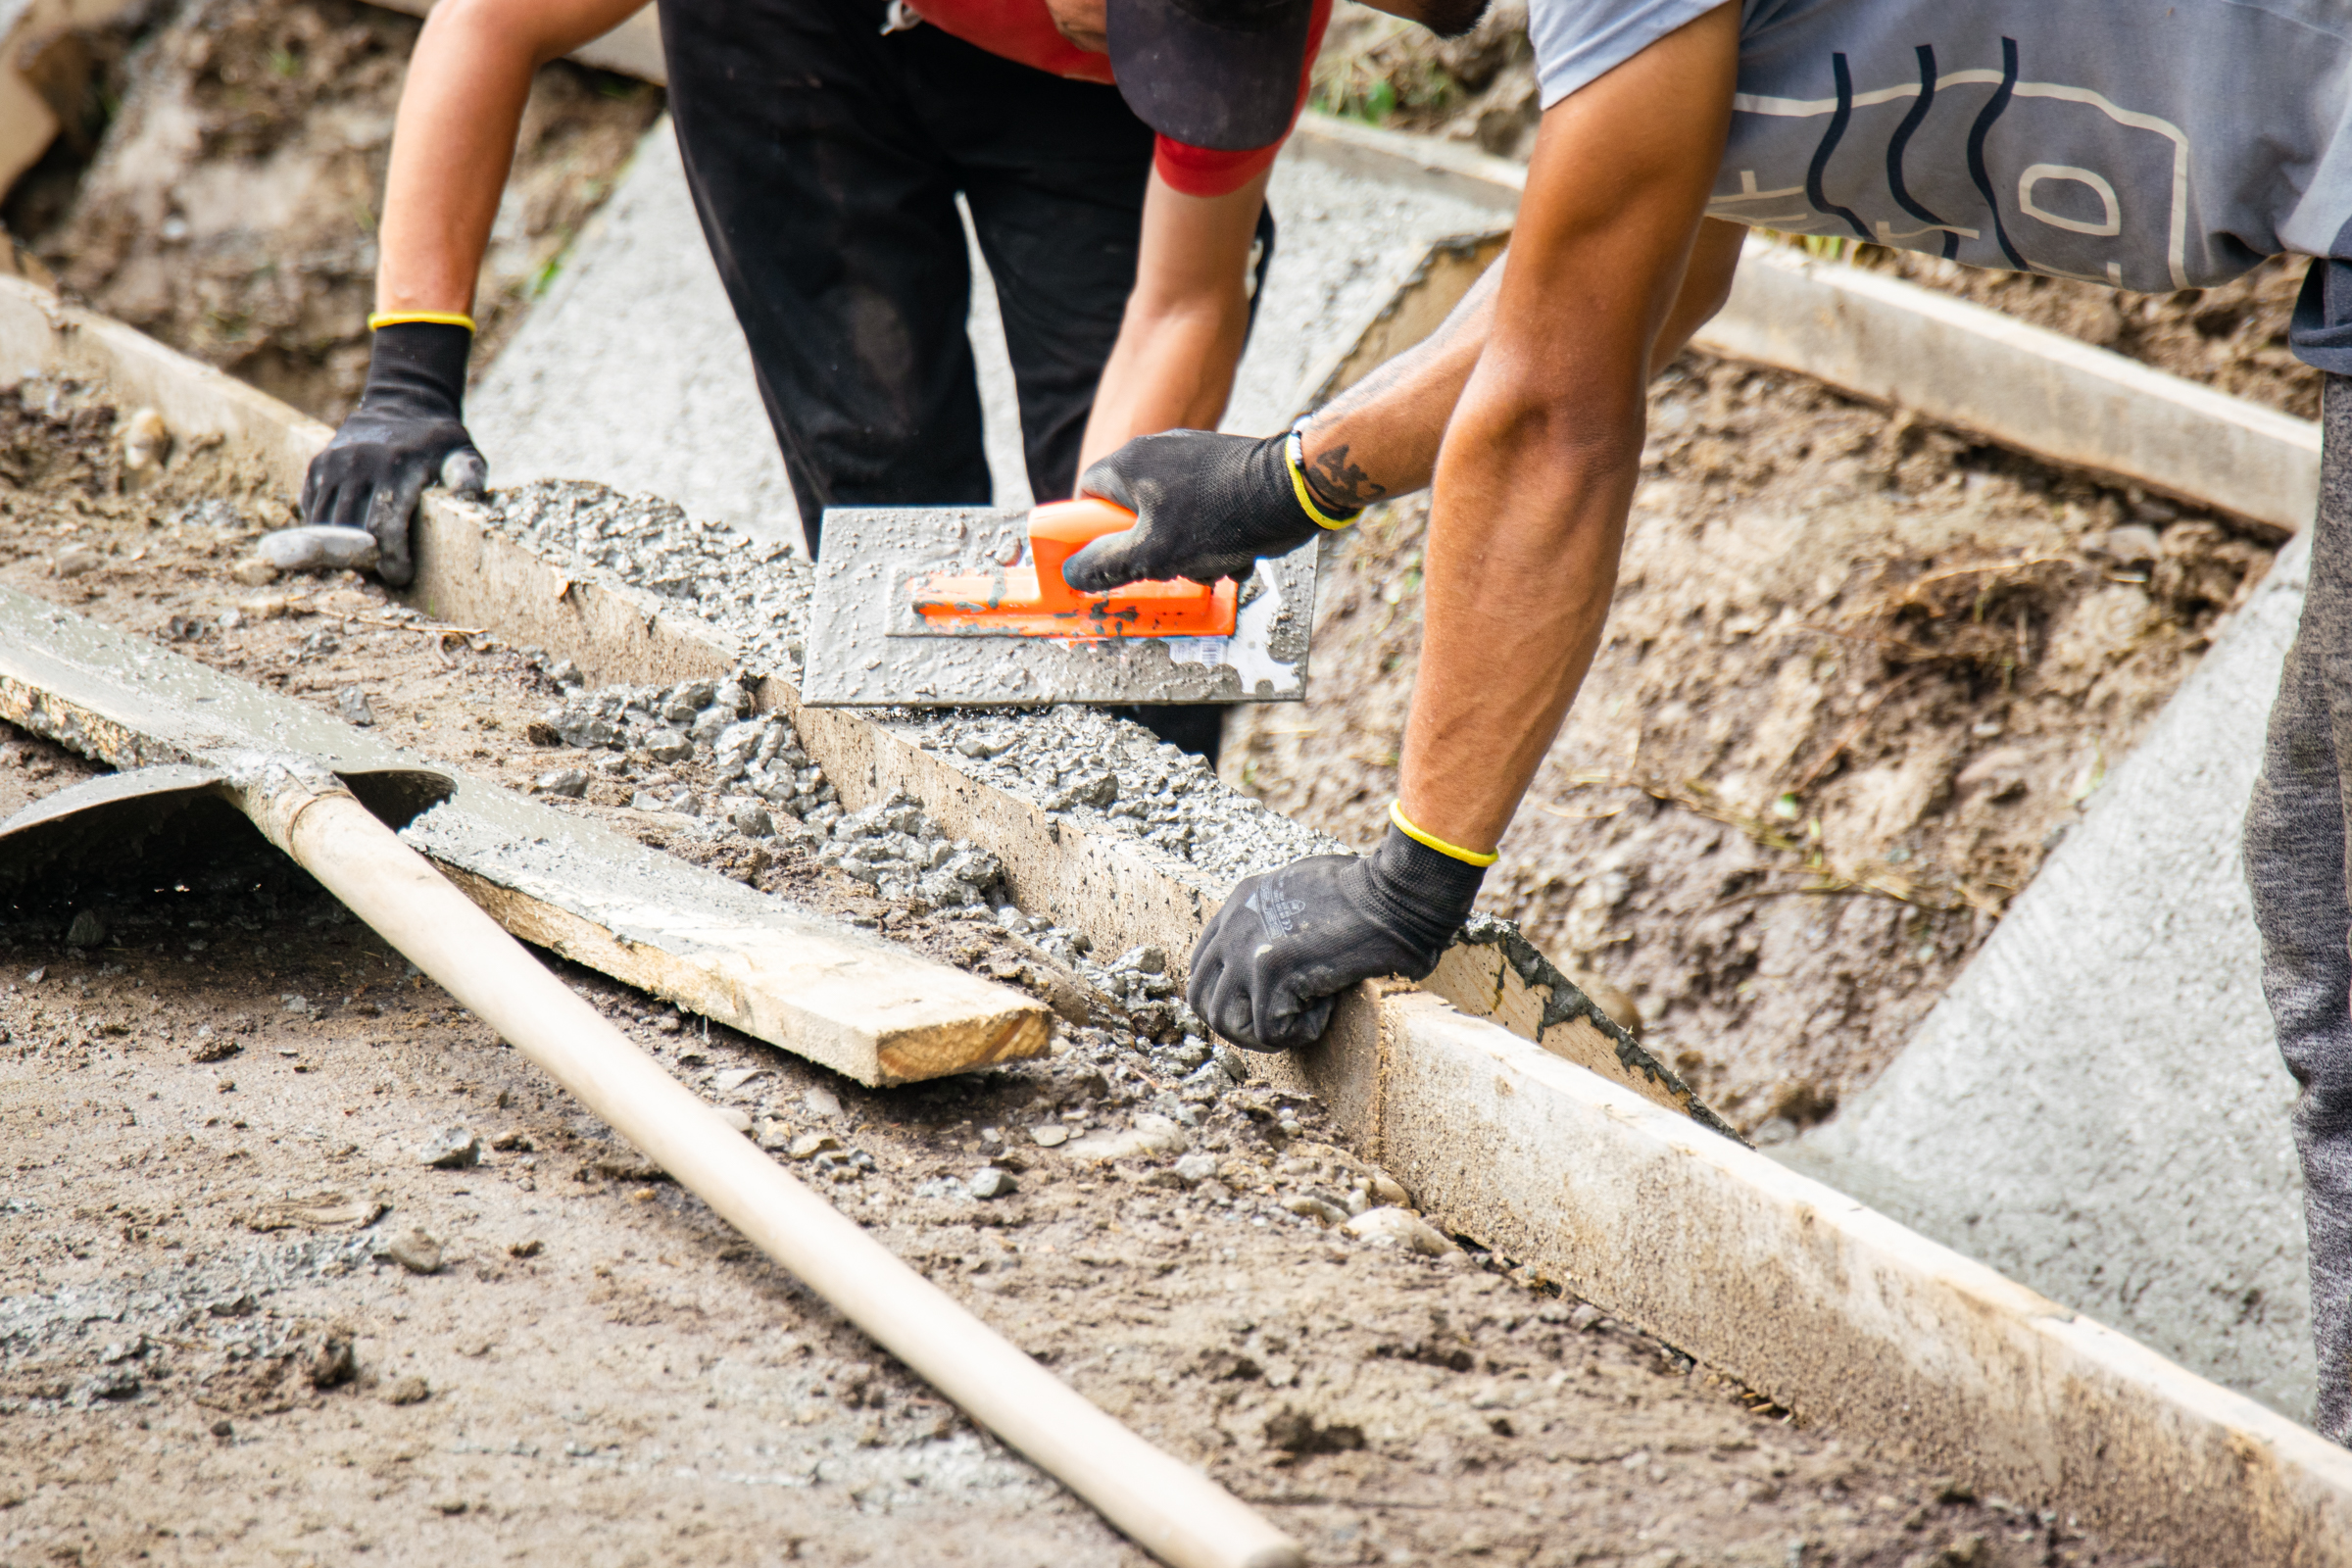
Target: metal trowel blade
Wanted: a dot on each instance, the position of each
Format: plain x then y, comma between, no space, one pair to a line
867,647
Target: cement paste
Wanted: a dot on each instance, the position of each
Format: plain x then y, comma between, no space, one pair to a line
2097,1108
861,655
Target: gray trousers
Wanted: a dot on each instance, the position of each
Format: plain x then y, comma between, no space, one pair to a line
2295,865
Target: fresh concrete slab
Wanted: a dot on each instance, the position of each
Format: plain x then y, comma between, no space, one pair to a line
2097,1107
632,372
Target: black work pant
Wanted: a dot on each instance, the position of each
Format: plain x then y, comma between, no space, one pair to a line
825,158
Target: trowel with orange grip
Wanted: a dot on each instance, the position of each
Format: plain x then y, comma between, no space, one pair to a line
953,605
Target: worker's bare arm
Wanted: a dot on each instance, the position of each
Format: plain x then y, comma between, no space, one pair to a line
1180,338
1380,437
454,140
1540,459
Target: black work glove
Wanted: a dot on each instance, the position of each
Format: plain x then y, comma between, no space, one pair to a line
1206,506
1287,942
404,436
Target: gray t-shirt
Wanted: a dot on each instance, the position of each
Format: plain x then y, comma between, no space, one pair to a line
2150,145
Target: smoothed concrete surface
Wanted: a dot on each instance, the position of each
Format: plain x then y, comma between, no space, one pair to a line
633,373
2097,1108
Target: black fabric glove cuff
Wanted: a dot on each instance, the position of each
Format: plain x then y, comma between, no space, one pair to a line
1423,892
418,367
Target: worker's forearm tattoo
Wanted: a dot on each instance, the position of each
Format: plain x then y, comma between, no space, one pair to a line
1342,485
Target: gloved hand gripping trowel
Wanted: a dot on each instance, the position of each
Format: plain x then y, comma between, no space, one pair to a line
945,605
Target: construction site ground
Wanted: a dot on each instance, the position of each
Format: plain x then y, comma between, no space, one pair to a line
1859,676
1861,673
219,192
242,1320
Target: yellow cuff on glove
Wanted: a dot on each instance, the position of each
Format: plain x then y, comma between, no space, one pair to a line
1433,842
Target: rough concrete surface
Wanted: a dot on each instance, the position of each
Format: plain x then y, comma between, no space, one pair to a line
2096,1107
632,369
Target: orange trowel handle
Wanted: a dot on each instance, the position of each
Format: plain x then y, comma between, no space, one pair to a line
1059,531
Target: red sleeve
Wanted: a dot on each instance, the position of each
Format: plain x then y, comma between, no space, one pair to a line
1204,172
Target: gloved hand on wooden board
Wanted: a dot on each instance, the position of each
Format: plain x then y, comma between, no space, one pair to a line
1266,970
406,434
1206,506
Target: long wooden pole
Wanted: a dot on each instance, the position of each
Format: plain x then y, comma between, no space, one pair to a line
1168,1508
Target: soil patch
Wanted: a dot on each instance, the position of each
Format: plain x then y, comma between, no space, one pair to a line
230,207
1859,678
241,1316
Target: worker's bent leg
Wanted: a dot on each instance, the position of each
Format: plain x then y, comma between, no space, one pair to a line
2295,867
832,214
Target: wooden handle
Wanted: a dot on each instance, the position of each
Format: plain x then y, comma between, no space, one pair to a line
1168,1508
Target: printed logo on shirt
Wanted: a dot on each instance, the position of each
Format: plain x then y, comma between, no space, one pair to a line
1951,155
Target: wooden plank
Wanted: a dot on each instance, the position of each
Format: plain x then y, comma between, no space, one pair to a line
1809,1297
860,1006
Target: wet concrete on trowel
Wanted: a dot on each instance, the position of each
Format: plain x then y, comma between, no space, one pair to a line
867,648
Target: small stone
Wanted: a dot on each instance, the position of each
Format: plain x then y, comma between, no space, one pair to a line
254,573
333,1364
1142,960
75,559
563,673
569,782
414,1251
224,1428
740,1120
1398,1228
210,1046
1193,1169
530,1248
319,547
352,703
734,1078
2131,545
821,1102
1051,1134
408,1391
809,1145
146,443
451,1148
668,746
753,823
1585,1316
1150,1135
1386,1191
1307,1205
89,930
993,1183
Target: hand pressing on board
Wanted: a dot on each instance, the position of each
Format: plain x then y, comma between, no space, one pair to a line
406,435
1266,969
1206,506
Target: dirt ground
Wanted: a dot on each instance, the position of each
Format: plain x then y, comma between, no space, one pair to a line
1859,677
241,1321
228,205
